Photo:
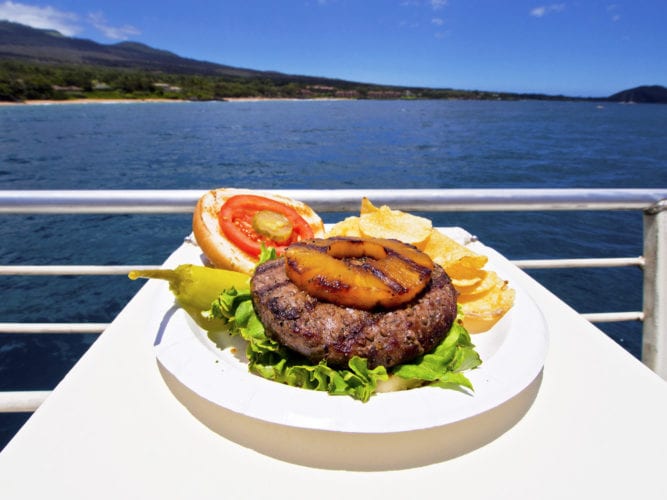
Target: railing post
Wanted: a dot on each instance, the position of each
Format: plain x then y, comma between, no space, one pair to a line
654,344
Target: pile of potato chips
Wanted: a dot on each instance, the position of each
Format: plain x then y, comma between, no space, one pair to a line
483,296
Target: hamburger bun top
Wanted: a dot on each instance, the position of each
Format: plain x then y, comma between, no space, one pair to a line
217,247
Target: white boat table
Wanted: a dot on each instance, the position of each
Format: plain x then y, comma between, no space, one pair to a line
591,424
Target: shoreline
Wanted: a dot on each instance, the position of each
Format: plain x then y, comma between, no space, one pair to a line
56,102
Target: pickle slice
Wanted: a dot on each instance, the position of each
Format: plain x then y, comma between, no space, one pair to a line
272,225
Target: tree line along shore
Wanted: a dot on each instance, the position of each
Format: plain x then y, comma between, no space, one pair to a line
25,82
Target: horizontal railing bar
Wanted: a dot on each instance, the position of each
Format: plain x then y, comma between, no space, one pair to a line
613,316
73,270
21,401
42,270
578,263
53,327
335,200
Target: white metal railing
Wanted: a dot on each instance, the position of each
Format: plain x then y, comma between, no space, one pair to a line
67,270
653,203
338,200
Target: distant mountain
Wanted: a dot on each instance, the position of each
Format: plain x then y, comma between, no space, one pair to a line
643,94
26,44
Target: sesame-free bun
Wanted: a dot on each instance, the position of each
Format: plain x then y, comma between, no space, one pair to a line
221,252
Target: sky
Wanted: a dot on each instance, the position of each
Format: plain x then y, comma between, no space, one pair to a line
582,48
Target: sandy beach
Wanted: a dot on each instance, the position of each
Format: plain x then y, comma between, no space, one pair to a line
47,102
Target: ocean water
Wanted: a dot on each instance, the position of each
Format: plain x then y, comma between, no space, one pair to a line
306,144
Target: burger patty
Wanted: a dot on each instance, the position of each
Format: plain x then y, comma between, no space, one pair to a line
325,331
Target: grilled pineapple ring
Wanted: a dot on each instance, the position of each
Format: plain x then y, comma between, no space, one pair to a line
364,273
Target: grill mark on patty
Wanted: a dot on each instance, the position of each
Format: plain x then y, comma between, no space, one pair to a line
266,268
280,312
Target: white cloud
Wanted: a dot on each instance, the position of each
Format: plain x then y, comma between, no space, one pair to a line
425,7
41,17
98,20
433,4
438,4
543,10
538,11
612,9
67,23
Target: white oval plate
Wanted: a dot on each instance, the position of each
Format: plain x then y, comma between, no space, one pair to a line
513,353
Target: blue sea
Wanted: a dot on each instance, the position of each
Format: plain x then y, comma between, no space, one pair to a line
309,144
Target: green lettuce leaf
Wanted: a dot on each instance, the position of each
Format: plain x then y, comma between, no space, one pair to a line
266,254
444,365
271,360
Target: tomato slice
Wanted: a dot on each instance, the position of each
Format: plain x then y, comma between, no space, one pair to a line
236,216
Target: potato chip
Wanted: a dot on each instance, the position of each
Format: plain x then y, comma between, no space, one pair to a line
367,207
346,227
475,261
482,313
474,290
394,224
461,271
444,250
472,282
